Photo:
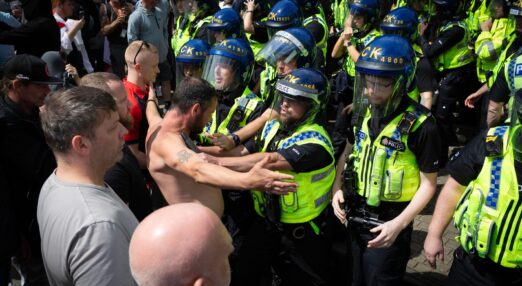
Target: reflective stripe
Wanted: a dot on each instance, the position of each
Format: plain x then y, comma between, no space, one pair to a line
496,168
319,201
304,136
322,175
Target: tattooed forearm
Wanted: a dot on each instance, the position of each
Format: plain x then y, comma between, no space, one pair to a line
184,155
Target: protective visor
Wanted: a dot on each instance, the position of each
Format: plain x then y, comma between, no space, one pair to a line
283,46
222,72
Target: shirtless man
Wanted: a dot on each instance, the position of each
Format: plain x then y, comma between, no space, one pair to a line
184,176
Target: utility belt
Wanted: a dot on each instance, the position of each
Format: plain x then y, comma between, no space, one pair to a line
483,265
295,230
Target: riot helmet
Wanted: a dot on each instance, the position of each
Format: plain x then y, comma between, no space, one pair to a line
285,14
448,10
384,70
369,11
307,86
225,24
190,60
229,67
294,45
401,21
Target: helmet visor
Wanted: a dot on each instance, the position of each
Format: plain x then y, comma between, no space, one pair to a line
282,47
215,36
380,94
184,69
222,72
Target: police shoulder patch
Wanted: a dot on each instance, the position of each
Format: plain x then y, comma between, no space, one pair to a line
393,144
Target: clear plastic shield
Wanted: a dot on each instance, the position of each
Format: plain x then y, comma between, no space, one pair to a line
381,95
282,46
184,69
222,73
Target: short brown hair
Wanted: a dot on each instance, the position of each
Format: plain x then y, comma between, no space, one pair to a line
76,111
99,80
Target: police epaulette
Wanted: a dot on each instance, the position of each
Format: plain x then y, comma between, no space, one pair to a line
494,145
406,123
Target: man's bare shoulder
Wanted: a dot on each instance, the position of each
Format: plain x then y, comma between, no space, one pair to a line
168,145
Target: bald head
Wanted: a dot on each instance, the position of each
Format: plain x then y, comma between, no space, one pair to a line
182,244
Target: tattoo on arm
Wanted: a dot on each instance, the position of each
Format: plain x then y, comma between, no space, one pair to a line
184,155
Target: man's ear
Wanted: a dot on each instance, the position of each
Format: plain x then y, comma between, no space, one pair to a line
17,83
81,145
195,109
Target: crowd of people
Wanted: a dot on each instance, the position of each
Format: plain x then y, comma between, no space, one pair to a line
206,142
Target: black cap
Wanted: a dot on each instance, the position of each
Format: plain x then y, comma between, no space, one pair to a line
29,67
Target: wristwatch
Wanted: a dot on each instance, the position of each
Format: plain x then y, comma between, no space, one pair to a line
236,139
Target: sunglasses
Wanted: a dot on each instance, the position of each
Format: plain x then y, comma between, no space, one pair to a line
143,43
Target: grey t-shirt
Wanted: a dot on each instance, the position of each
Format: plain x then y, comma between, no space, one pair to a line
86,231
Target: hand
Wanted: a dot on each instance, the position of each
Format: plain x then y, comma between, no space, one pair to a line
152,92
347,35
348,109
486,25
223,141
70,69
472,99
422,28
80,23
269,181
338,206
250,5
433,250
388,233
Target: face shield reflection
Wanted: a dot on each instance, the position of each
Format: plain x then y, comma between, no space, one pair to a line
184,69
279,48
381,95
222,73
215,36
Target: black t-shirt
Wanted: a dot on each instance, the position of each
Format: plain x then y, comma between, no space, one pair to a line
302,158
442,43
466,164
424,142
127,180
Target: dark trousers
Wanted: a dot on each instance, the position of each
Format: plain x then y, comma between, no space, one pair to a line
342,128
454,87
472,270
378,266
294,252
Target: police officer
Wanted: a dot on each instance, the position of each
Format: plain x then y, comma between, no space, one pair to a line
487,213
453,61
315,22
294,224
360,29
190,59
229,68
225,24
504,78
284,14
287,50
391,174
403,21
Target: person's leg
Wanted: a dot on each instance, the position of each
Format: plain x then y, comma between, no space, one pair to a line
379,266
164,77
252,263
118,60
306,259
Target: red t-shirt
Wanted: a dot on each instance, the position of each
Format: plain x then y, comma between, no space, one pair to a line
138,99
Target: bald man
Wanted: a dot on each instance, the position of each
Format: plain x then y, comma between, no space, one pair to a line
182,244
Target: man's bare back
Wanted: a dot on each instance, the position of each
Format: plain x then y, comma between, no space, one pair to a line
175,185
